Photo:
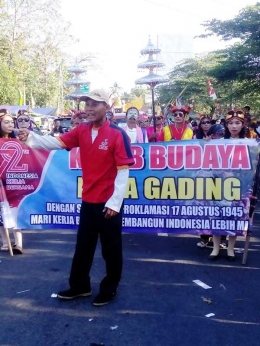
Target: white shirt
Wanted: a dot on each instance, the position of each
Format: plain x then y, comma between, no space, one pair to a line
132,133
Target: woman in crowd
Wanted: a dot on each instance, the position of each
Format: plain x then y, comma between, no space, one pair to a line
204,126
235,129
7,131
202,133
215,131
143,122
158,135
23,120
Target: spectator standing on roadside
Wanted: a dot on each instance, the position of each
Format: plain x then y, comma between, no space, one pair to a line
105,154
57,129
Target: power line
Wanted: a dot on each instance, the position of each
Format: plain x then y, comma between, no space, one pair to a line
192,13
174,9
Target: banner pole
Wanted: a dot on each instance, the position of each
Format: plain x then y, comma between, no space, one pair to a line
8,241
246,247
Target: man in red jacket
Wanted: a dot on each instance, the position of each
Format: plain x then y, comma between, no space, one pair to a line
105,154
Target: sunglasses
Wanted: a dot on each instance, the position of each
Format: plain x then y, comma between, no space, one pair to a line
23,119
179,114
205,122
235,115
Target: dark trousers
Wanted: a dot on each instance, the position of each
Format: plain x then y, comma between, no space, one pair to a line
93,224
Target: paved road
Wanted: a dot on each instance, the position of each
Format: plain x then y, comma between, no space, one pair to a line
157,303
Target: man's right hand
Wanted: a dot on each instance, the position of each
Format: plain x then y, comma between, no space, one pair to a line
23,134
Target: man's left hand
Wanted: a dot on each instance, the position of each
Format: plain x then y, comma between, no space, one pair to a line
109,213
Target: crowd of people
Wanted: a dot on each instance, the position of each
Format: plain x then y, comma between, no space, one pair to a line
177,125
103,189
172,124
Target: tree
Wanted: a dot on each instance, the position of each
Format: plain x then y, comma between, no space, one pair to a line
240,61
234,71
32,36
189,78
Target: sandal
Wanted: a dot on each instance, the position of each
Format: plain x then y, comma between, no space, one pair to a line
4,248
202,244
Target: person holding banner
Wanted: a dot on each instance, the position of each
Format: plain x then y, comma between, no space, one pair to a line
215,131
204,126
179,129
7,131
235,129
105,153
202,133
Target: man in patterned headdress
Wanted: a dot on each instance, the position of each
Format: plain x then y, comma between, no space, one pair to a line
179,129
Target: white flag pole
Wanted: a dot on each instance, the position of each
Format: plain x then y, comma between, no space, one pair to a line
8,241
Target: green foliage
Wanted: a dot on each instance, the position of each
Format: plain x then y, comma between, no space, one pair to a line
189,79
32,38
241,61
134,93
8,85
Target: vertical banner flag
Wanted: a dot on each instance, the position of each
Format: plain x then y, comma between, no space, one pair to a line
178,102
211,91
